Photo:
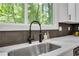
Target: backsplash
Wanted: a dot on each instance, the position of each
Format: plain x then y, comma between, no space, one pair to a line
17,37
75,27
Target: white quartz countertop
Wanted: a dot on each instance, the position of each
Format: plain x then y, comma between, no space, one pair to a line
66,42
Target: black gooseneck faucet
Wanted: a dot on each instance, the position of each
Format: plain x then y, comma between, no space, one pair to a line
40,34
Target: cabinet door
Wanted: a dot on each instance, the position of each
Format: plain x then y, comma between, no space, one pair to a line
63,12
77,12
71,12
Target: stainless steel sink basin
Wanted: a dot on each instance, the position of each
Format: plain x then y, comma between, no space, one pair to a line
34,50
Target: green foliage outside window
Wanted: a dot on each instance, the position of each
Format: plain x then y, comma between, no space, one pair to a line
11,13
14,13
40,12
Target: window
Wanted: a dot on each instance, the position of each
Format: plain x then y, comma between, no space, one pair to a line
11,13
14,13
18,16
42,12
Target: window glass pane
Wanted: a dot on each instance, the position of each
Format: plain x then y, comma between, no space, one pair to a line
11,13
42,12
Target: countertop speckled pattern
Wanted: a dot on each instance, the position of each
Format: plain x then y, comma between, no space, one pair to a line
66,42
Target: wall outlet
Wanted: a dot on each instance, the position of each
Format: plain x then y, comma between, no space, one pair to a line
60,28
69,28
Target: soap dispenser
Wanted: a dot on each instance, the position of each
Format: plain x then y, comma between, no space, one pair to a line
45,36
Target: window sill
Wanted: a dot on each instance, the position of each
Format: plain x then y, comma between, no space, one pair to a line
23,27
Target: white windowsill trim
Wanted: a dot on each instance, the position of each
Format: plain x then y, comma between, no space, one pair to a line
22,27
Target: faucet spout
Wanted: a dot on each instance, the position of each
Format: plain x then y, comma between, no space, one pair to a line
40,34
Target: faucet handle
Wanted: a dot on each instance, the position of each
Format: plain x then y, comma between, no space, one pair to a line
40,37
29,40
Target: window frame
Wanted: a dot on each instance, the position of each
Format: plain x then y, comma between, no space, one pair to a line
25,26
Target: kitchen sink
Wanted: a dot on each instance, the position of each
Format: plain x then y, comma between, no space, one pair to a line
34,50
